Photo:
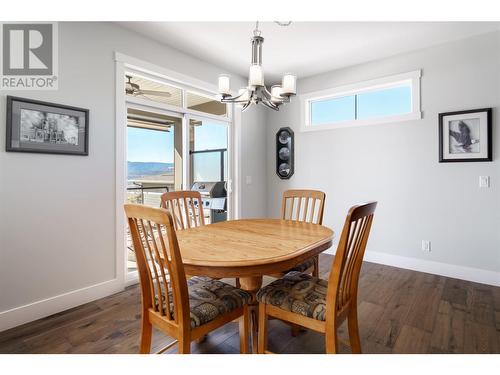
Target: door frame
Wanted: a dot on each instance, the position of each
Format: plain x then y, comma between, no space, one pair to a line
124,63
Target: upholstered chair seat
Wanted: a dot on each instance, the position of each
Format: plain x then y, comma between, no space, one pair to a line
210,298
303,300
297,292
184,309
303,267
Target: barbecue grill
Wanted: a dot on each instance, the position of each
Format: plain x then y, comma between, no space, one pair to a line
214,199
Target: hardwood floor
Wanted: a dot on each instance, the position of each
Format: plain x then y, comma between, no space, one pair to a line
400,311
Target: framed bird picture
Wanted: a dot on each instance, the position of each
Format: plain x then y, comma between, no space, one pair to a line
465,136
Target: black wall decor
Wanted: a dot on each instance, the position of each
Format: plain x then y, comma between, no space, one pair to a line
285,153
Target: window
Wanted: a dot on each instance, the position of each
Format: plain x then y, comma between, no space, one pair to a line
205,104
389,99
333,110
143,88
208,150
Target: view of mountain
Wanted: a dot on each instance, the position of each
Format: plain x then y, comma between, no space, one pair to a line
137,169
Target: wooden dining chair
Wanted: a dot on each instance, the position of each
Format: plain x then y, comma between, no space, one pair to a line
186,208
184,310
318,304
305,206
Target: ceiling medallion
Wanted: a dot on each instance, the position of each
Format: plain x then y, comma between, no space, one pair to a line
256,91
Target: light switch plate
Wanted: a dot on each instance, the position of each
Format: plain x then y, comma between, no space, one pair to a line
484,181
248,180
426,246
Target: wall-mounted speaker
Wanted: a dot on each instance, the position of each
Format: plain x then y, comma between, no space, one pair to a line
284,153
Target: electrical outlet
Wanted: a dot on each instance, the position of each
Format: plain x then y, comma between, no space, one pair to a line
484,181
426,246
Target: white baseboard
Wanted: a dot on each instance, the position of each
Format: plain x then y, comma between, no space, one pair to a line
443,269
40,309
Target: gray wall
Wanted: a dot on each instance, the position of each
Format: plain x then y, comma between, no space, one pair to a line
57,221
254,163
397,164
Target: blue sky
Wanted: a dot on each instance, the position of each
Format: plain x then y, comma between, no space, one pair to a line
150,145
379,103
155,146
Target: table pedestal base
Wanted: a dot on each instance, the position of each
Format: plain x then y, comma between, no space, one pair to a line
252,285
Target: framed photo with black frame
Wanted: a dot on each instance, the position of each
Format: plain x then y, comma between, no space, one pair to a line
42,127
466,136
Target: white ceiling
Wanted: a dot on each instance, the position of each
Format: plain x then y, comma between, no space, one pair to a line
304,48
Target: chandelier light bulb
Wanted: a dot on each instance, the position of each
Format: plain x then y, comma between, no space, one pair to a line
224,84
289,84
256,75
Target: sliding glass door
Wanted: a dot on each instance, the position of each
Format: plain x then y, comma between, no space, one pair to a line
154,159
177,138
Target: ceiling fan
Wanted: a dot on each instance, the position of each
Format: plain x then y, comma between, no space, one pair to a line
134,89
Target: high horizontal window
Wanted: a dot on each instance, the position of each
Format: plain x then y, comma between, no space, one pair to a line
389,99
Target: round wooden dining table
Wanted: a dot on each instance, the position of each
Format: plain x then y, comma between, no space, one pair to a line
249,249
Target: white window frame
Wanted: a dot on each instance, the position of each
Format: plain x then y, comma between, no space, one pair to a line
398,80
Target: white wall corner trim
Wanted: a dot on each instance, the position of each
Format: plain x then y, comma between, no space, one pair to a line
40,309
436,268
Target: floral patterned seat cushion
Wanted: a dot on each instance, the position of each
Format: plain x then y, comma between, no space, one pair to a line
297,292
302,267
210,298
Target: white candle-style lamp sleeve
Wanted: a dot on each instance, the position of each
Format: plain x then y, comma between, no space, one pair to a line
289,84
256,76
224,84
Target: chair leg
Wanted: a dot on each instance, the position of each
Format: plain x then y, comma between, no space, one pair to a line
331,342
262,329
244,330
237,283
146,334
353,328
296,329
184,345
201,339
315,272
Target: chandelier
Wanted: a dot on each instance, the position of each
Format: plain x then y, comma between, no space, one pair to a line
256,91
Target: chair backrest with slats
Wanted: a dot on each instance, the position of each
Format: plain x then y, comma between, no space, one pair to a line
185,207
303,205
161,272
344,276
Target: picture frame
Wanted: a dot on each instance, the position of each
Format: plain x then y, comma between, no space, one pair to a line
466,136
49,128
